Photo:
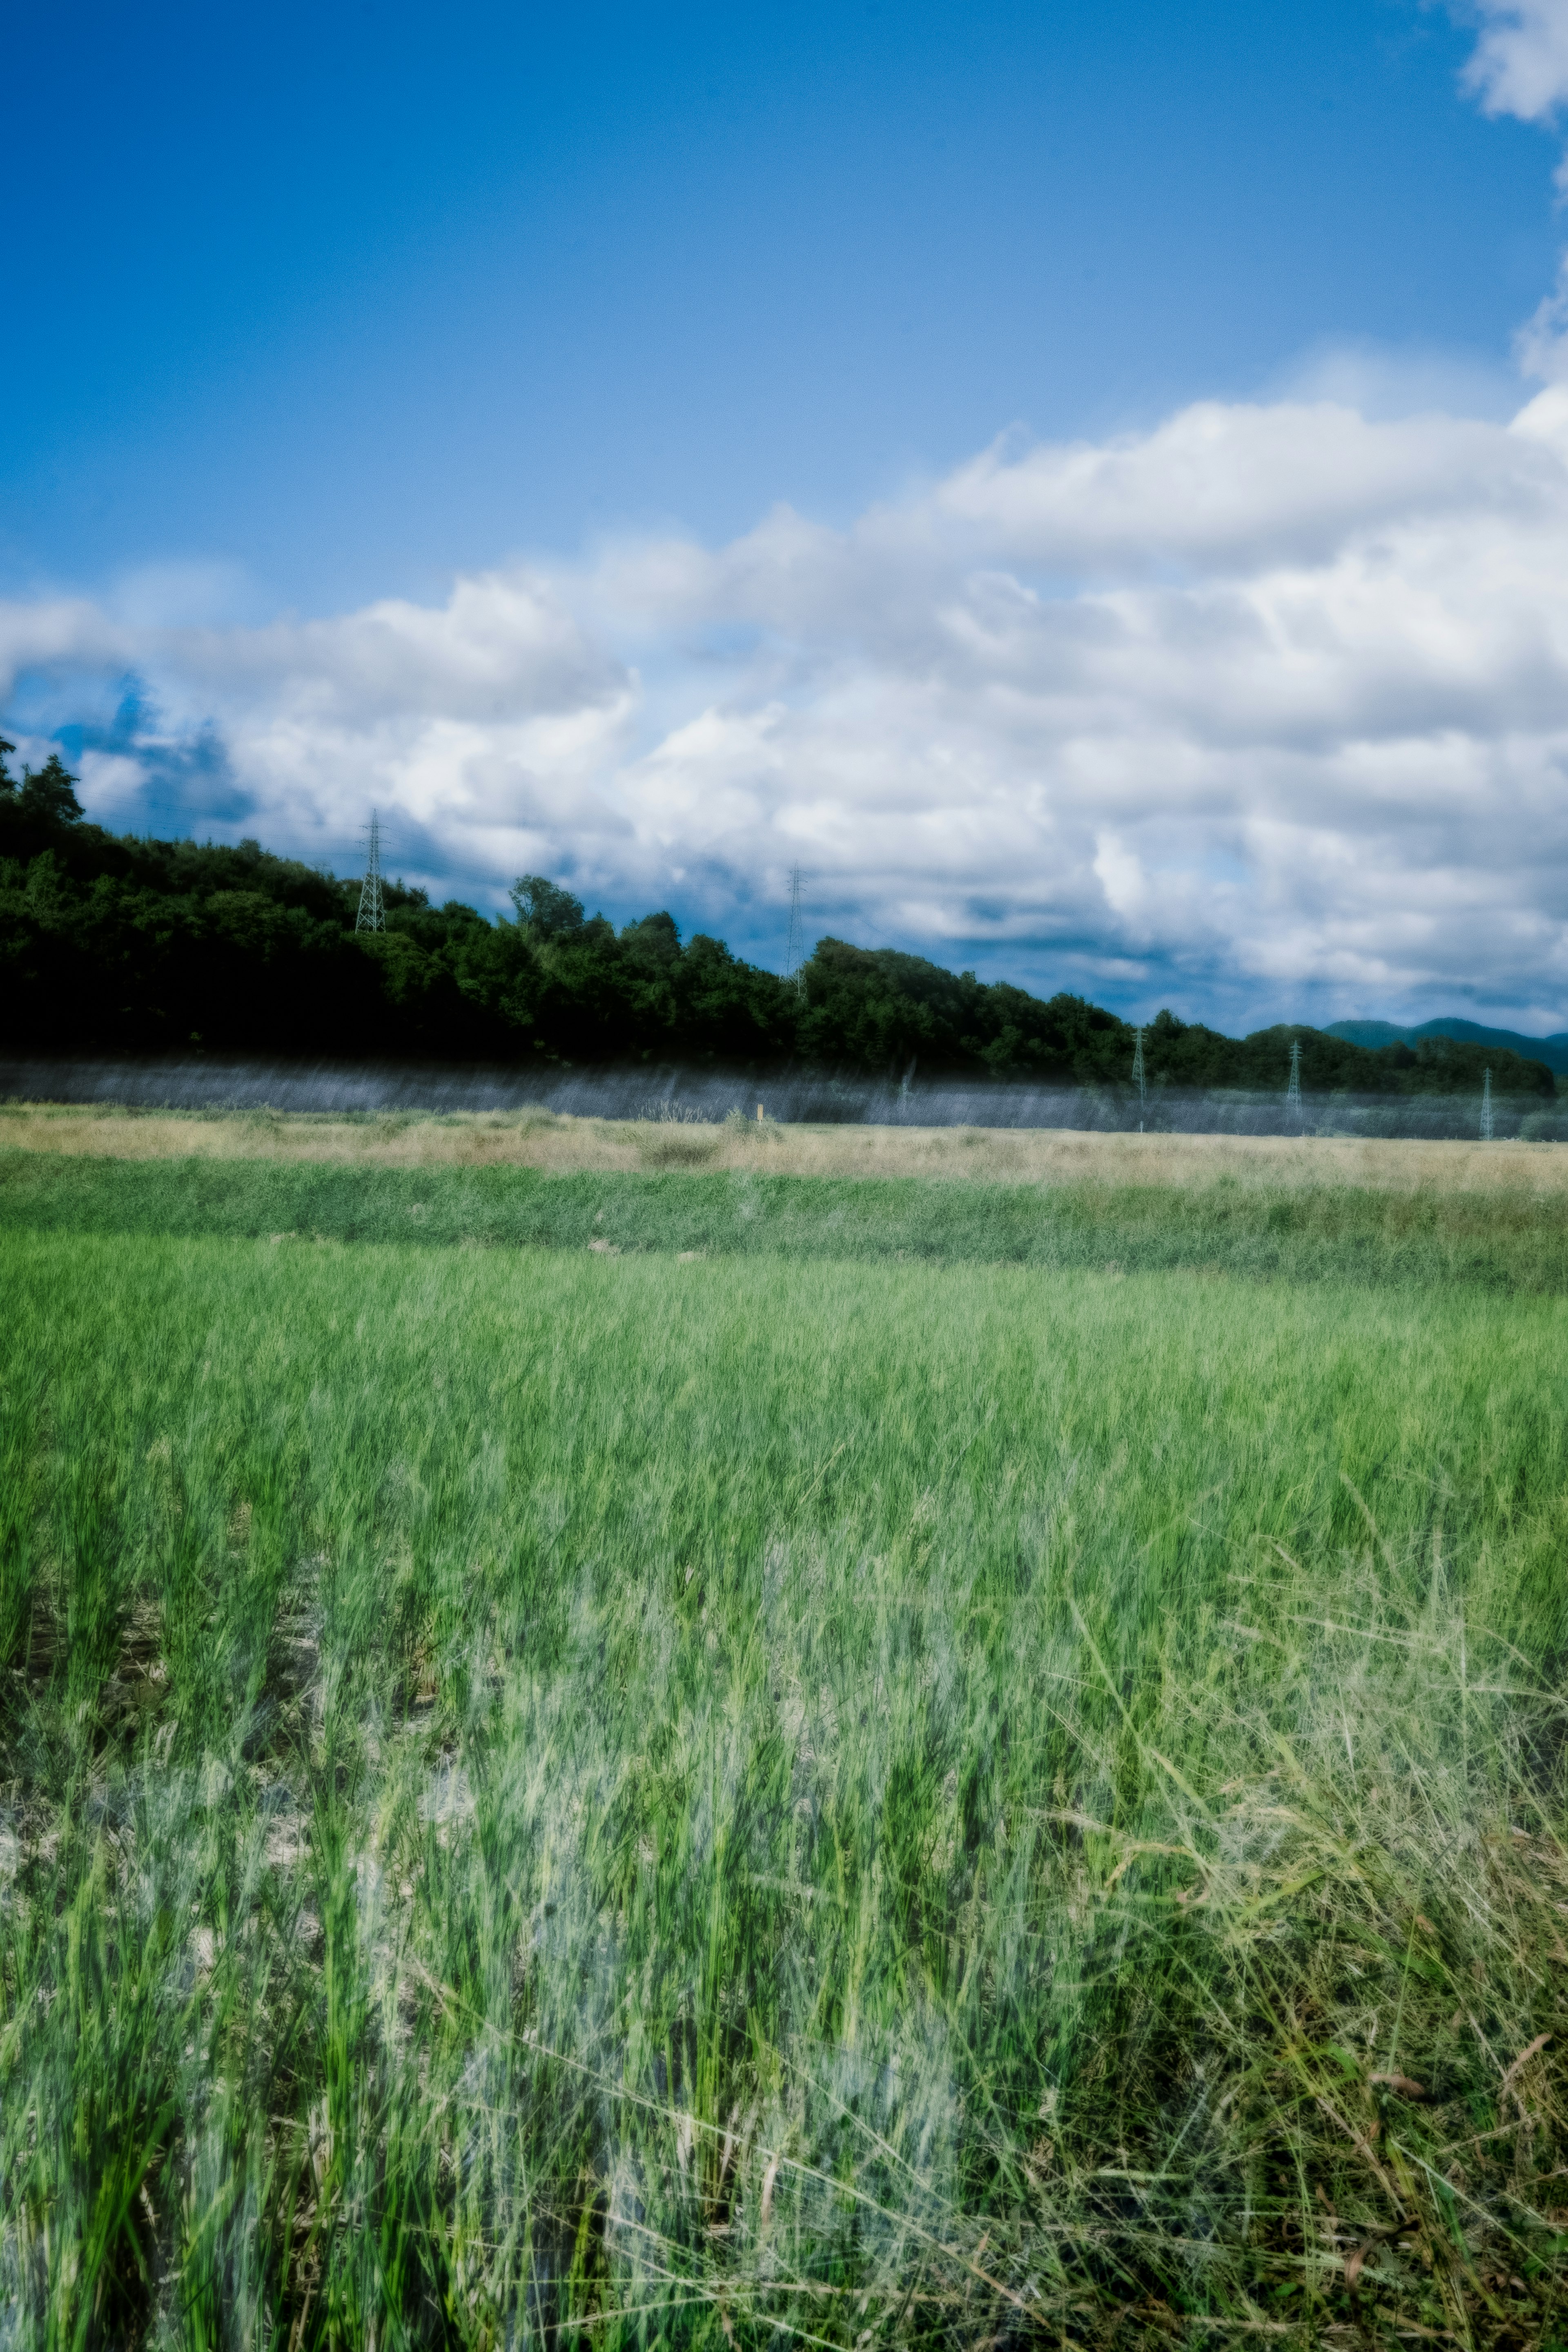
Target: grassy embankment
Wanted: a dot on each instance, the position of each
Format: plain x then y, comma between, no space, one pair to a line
1401,1213
784,1798
558,1145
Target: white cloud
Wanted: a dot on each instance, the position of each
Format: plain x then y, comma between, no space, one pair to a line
1219,483
59,634
1541,343
1520,68
1521,62
1268,705
1265,709
503,646
1382,381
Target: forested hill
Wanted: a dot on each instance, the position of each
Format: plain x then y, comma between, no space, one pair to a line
108,943
1553,1051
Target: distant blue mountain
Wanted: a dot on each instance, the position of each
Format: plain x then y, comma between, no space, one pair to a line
1553,1051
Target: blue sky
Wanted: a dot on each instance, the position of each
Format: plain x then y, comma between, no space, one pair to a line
314,310
348,299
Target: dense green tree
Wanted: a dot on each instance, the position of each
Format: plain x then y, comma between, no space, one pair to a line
119,944
544,909
45,796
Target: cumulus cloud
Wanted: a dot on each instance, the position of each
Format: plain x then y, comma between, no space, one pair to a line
57,635
1263,711
1520,65
1267,708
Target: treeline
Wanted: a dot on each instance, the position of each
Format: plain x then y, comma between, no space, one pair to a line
108,943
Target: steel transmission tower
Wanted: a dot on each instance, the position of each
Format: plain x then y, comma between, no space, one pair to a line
795,949
1138,1079
1293,1091
372,915
1487,1106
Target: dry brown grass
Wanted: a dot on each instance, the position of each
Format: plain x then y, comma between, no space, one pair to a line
564,1146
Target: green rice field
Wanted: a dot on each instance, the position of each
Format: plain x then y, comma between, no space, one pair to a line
686,1758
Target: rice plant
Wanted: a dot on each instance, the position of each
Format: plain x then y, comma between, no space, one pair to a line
557,1798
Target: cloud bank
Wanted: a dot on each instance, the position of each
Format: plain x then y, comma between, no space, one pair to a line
1262,712
1267,705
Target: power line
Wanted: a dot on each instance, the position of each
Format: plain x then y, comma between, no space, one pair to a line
1138,1078
1487,1106
1293,1091
372,915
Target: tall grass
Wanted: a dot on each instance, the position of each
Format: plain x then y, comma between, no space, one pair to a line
553,1800
1512,1241
669,1136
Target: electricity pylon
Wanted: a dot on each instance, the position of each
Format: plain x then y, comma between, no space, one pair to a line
1138,1078
1487,1106
372,915
794,947
1293,1091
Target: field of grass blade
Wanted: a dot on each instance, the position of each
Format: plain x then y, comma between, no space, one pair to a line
1512,1240
552,1798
